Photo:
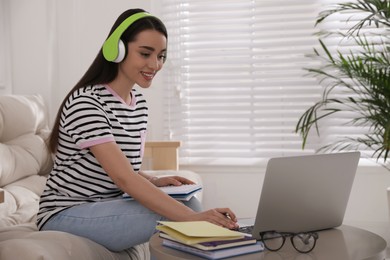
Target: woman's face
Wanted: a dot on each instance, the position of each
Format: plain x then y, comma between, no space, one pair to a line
145,57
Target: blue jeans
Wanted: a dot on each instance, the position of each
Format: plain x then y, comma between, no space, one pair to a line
116,224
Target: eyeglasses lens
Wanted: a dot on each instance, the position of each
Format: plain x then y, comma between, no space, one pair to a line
273,241
304,242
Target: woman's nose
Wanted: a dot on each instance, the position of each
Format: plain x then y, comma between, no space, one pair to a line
154,63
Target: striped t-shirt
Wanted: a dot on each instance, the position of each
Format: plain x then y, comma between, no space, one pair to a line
92,115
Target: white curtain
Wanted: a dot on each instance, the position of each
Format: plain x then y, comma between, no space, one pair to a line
5,49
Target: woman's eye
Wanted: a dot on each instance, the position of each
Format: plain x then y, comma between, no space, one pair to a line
162,57
145,54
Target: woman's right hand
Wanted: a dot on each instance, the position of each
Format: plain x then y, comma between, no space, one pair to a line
220,216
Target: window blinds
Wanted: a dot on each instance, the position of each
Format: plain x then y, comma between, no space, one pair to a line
235,83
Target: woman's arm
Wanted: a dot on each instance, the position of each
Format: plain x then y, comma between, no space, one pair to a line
117,166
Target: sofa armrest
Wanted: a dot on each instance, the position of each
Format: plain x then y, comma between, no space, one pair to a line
26,242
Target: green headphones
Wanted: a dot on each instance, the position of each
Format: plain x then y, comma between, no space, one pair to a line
114,49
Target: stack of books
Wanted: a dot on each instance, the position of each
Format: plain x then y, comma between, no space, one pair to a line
207,240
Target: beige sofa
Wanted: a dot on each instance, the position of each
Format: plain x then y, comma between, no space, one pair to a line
24,165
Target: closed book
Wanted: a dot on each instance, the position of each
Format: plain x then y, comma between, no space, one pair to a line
215,254
217,244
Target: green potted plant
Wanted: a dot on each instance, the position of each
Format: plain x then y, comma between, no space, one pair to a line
363,74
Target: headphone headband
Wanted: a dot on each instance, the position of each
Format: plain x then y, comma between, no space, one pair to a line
110,46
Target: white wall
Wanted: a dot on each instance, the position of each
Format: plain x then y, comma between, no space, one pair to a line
80,27
29,46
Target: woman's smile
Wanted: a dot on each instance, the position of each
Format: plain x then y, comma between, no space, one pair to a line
148,75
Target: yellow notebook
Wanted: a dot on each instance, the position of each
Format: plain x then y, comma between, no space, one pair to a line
193,232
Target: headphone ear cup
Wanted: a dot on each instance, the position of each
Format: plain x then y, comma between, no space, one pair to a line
121,52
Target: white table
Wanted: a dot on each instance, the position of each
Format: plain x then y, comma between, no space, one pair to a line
342,243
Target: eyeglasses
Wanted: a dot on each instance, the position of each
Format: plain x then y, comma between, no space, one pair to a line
302,242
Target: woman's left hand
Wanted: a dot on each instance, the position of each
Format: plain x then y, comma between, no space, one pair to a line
170,180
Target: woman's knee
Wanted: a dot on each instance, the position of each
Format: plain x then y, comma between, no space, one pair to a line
194,204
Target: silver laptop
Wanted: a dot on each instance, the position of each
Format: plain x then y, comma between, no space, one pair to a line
305,193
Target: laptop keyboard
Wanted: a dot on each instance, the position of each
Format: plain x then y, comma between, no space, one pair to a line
246,229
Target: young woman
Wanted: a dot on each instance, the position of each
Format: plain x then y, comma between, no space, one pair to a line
98,140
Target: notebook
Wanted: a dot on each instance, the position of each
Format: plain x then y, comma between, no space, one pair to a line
183,192
305,193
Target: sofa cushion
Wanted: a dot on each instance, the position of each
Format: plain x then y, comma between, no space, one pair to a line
21,201
23,129
20,115
21,157
18,242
